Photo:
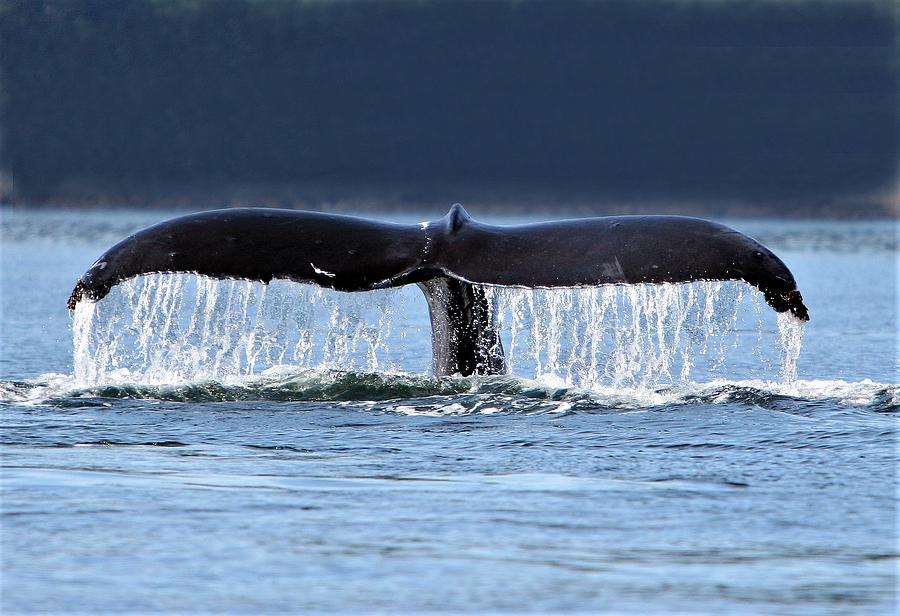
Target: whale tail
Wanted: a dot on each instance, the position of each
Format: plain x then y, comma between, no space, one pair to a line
448,259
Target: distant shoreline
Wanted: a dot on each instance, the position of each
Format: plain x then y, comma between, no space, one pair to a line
375,197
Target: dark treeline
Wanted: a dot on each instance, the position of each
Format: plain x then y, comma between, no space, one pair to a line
688,100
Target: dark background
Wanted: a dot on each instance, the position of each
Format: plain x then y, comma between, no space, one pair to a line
731,107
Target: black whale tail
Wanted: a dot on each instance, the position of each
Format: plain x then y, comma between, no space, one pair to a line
448,259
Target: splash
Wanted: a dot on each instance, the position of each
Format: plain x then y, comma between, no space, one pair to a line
168,328
164,328
790,335
643,335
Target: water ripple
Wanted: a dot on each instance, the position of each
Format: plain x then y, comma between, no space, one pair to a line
412,394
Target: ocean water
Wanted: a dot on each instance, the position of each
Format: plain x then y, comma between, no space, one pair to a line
197,446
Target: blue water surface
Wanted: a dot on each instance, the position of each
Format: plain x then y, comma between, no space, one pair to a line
348,491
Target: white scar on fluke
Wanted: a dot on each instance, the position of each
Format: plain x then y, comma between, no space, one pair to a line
321,271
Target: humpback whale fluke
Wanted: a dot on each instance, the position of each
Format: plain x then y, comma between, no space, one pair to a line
447,258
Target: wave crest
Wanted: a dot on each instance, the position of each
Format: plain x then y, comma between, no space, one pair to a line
416,394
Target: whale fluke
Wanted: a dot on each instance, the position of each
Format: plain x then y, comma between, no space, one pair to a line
448,258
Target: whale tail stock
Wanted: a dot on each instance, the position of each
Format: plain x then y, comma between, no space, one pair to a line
448,259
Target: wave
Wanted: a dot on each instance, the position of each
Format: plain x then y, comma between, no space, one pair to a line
417,394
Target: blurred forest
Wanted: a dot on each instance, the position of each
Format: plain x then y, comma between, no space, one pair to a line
772,107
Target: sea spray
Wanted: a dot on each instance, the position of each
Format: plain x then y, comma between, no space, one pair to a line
624,335
165,328
790,337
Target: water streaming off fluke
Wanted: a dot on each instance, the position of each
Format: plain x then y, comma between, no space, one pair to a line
164,328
